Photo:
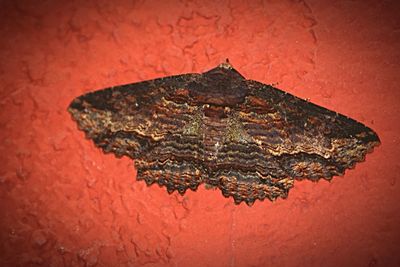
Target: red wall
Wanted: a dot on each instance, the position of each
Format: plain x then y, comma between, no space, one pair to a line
65,203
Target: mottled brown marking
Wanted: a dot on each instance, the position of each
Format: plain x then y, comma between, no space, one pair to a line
249,139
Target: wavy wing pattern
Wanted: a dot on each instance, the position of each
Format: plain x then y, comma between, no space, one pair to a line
249,139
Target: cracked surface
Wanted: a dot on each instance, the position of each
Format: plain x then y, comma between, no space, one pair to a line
65,204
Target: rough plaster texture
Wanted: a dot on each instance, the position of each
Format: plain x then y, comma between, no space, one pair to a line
64,203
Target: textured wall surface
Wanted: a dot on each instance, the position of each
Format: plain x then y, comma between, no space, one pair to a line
64,203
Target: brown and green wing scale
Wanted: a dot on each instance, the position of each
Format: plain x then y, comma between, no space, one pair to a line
249,139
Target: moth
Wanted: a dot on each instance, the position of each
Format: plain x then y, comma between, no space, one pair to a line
248,139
